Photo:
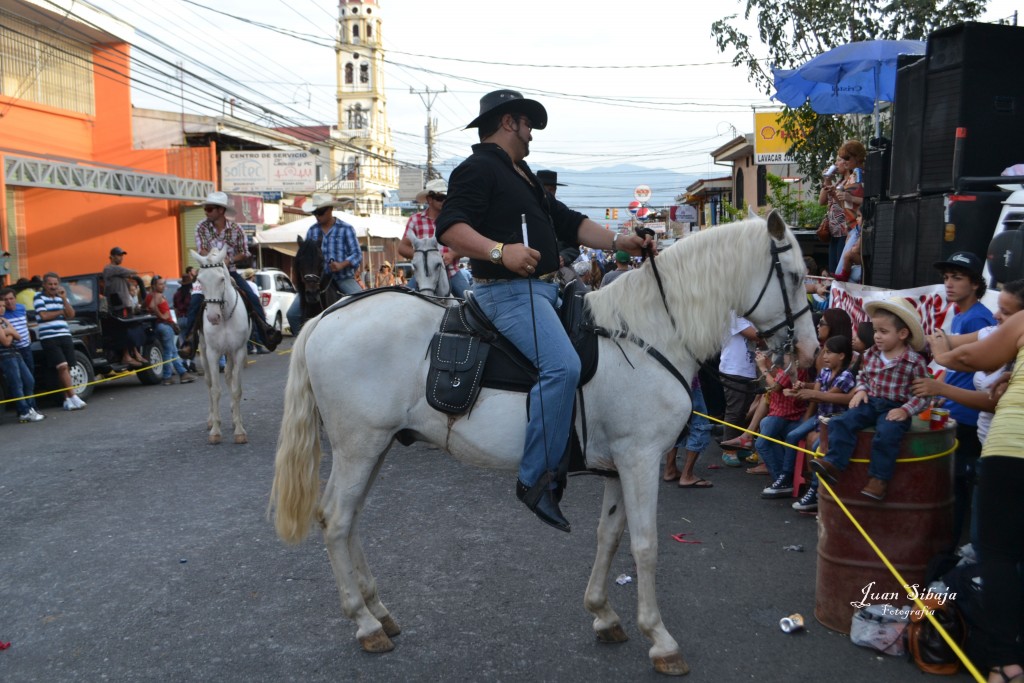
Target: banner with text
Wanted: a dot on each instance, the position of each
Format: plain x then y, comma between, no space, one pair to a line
268,171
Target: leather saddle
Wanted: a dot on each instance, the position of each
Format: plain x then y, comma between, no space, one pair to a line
468,353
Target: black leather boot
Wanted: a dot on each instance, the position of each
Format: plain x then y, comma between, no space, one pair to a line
541,501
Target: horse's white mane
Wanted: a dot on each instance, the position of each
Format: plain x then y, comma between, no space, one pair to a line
703,276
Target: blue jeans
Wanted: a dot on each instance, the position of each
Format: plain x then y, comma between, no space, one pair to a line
700,428
779,459
885,446
165,334
345,286
20,380
507,304
801,430
460,282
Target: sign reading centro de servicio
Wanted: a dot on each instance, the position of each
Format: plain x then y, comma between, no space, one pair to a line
771,144
268,171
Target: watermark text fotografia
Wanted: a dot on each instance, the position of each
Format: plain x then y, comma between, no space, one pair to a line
912,592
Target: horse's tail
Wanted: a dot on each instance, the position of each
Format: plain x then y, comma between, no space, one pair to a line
296,489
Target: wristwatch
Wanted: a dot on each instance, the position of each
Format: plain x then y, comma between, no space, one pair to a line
496,252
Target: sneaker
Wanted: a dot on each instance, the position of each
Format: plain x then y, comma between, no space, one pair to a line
79,403
70,405
780,488
30,416
37,414
730,460
809,502
187,378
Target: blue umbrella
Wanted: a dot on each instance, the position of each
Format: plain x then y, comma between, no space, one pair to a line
851,72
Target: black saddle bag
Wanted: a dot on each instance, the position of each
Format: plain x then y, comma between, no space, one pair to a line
456,365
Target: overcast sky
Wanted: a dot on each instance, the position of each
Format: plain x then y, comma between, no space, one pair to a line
678,100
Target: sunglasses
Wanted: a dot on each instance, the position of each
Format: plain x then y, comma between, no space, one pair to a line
438,197
208,209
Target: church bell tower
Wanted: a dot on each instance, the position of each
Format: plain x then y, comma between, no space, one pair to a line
365,168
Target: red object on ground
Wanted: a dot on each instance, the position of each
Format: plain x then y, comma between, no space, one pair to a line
4,646
679,537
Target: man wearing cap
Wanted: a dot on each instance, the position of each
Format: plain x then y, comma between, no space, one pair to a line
493,198
120,303
962,275
621,268
342,255
421,226
216,231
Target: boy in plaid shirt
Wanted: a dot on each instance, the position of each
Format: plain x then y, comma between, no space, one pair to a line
882,397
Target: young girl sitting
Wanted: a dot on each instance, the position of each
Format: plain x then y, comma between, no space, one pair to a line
830,395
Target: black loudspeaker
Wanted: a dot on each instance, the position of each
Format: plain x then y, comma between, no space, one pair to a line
880,241
973,83
951,223
904,243
876,171
908,117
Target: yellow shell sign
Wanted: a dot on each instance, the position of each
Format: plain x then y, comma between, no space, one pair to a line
771,144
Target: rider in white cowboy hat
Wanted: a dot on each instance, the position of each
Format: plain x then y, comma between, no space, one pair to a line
217,231
421,226
342,255
493,199
883,397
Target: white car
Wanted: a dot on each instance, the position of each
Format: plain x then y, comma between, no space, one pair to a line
276,296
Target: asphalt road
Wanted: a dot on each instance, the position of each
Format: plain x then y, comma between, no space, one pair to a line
130,550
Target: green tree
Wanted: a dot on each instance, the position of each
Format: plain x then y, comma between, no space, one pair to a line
795,31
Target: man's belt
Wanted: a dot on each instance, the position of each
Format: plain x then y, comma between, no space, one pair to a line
549,277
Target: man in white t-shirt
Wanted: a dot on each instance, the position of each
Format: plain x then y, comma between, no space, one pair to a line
739,377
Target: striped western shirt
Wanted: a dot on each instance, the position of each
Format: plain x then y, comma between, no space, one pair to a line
57,327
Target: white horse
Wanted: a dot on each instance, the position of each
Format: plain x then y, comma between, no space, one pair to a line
428,267
753,267
224,333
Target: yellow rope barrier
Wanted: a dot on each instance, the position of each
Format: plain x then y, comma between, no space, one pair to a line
109,378
885,560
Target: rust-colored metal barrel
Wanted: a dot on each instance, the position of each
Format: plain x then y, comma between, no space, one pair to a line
913,524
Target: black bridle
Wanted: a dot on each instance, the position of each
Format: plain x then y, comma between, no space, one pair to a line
789,322
444,270
229,284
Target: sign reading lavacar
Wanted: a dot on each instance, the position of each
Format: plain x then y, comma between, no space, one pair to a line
268,171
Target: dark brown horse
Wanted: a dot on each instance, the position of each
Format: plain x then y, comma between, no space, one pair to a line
316,291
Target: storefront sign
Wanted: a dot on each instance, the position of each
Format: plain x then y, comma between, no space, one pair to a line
268,171
771,144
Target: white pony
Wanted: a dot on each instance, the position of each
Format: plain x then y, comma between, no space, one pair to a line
753,267
224,333
428,267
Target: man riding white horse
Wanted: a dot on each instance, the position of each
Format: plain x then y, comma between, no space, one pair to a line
498,214
421,226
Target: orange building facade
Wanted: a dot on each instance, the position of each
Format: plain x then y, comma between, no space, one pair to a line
72,185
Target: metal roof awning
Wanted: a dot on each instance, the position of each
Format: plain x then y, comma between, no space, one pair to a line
62,175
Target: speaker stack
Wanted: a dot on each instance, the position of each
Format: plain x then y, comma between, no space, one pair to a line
967,85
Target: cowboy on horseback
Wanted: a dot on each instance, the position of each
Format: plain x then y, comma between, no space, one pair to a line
498,214
342,255
217,231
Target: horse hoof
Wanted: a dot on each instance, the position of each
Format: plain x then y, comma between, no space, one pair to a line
390,626
612,634
241,438
214,440
377,641
671,665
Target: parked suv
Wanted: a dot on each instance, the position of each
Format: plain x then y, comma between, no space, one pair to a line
276,295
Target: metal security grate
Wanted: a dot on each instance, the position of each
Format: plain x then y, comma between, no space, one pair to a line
41,66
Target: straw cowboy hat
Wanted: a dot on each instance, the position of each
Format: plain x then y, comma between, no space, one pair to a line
216,199
511,102
320,201
436,186
905,311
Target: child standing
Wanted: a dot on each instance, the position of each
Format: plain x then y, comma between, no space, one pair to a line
882,397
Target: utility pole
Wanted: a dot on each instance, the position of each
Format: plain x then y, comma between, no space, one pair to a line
428,96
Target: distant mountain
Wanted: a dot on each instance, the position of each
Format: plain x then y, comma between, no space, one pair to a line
597,189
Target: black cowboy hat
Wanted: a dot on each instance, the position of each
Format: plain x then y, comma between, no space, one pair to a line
503,101
549,178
